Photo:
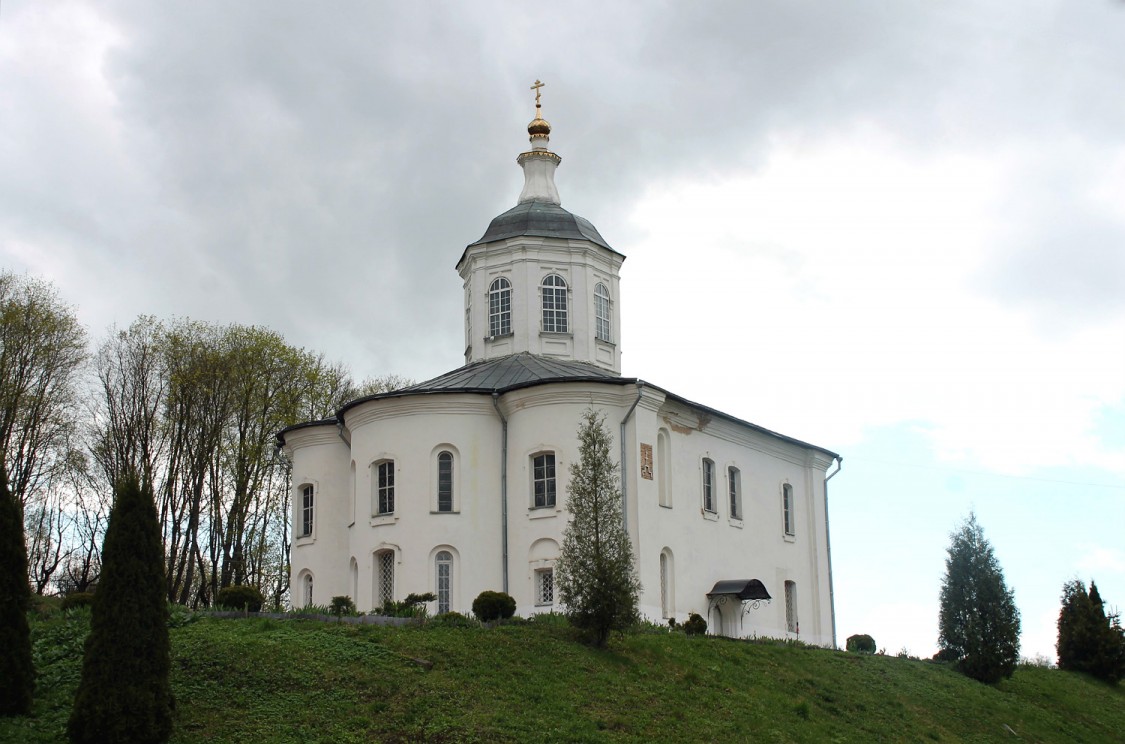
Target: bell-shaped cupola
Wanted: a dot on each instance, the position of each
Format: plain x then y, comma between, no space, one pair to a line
542,280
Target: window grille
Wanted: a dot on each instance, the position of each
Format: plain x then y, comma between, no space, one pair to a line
386,569
545,586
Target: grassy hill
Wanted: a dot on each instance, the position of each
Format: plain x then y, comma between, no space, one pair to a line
257,680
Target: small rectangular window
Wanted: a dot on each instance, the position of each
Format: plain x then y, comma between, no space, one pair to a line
734,479
791,623
708,485
543,479
787,508
545,586
306,511
385,488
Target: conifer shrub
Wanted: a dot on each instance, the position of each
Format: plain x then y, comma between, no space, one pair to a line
125,692
241,598
490,606
596,572
1090,640
978,621
861,643
695,624
77,599
17,672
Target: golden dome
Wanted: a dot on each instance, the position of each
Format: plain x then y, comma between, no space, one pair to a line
538,127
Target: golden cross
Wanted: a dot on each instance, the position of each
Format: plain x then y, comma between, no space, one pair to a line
536,88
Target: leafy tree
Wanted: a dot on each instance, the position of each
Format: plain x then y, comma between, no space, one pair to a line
978,624
42,351
1089,640
125,693
17,675
596,576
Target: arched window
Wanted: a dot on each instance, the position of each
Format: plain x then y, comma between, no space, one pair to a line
443,579
602,325
787,509
500,307
667,584
307,589
445,482
663,468
384,577
554,304
354,569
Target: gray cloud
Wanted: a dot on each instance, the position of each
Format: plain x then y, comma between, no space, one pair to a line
320,172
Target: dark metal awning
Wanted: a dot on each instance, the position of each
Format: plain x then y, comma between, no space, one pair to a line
747,590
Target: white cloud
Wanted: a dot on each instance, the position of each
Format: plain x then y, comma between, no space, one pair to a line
844,273
1098,561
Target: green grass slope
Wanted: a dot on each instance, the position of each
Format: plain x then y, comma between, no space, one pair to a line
258,680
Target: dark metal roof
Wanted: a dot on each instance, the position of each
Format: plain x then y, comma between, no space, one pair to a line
744,589
542,220
501,375
525,370
511,371
280,436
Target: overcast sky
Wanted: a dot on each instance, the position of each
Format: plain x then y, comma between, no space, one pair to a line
896,230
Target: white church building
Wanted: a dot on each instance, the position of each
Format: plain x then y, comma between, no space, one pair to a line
458,484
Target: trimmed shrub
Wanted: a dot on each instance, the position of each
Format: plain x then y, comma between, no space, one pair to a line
240,597
861,643
77,599
17,672
489,606
695,624
453,620
125,693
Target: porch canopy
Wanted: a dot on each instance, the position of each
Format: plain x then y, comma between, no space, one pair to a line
747,590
